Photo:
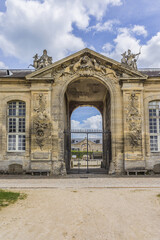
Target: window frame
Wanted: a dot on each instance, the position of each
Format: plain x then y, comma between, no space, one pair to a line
155,104
17,116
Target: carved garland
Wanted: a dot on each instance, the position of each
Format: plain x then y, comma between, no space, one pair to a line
134,121
86,66
41,122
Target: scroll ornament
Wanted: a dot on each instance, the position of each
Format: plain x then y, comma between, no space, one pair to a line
134,121
41,123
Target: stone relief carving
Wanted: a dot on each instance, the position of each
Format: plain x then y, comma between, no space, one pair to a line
75,92
134,121
41,122
41,62
130,59
85,66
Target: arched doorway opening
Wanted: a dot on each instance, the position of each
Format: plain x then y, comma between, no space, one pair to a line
88,92
86,140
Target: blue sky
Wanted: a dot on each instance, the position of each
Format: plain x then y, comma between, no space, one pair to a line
86,117
63,27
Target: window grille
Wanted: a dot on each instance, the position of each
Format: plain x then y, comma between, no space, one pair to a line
16,126
154,126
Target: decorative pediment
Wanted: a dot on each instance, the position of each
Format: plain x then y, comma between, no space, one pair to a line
85,66
85,63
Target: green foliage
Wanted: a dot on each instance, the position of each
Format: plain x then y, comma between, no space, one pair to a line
79,154
158,195
7,197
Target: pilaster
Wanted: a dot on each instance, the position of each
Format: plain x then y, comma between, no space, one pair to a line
133,122
41,128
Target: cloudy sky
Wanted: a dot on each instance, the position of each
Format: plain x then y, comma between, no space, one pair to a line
86,117
63,27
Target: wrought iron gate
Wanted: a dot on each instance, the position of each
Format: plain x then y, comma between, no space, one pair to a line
106,150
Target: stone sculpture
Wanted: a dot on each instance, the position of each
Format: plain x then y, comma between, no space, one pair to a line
130,59
85,66
41,62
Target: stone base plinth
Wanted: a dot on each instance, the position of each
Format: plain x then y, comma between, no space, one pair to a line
134,164
58,168
41,165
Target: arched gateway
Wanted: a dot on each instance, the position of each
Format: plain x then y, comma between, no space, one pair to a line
84,78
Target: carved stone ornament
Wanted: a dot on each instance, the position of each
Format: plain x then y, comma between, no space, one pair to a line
41,62
86,66
134,121
41,123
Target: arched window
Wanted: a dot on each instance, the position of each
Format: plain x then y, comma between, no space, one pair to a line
16,126
154,126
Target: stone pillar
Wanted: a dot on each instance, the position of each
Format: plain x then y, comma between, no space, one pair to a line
58,120
117,138
41,130
133,125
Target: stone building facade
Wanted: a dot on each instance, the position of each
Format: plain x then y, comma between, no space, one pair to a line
82,146
36,107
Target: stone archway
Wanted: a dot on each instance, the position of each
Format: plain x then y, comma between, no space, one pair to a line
119,81
96,73
90,92
115,98
90,68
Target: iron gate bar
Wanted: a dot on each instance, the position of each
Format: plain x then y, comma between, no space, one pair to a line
87,153
87,131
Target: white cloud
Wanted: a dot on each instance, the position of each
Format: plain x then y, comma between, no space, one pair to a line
2,65
28,27
7,45
150,52
94,122
107,47
140,30
97,8
106,26
92,48
150,56
75,124
124,41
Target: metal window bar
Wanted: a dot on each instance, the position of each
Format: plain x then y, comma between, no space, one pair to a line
154,125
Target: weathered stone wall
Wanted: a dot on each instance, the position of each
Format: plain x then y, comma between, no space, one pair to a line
66,134
52,93
8,92
41,128
151,93
133,125
106,130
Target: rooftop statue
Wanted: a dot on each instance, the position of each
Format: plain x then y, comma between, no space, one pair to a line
130,59
41,62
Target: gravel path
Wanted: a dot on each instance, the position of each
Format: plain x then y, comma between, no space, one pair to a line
132,182
101,208
83,214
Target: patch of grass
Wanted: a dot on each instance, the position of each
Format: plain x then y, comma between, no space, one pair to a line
158,195
7,197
